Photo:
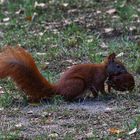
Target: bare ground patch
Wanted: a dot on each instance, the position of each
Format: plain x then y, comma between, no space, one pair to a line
76,120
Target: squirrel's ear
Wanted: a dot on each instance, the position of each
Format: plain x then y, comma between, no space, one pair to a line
111,57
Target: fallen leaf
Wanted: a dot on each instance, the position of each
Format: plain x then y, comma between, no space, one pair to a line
41,54
115,131
41,34
133,131
40,5
18,45
108,109
34,16
104,53
1,34
19,125
1,90
123,4
3,1
30,112
98,12
1,109
89,135
53,135
103,45
135,16
49,120
20,11
6,19
46,114
132,28
15,109
120,54
89,40
46,66
29,18
65,4
70,60
115,17
111,11
107,30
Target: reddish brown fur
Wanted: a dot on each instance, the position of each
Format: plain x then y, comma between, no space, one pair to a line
20,66
80,78
122,82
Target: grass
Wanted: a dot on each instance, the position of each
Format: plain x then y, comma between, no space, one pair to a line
68,32
9,135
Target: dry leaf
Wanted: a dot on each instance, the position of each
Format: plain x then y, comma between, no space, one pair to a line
1,34
41,33
115,17
34,16
41,54
103,45
29,18
30,112
53,135
107,30
98,12
49,120
133,131
46,66
20,11
15,108
108,109
40,5
132,28
1,90
89,135
18,45
46,114
6,19
120,54
104,53
3,1
135,16
111,11
1,109
89,40
115,131
65,4
69,60
19,125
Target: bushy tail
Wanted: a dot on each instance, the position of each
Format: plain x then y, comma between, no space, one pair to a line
20,66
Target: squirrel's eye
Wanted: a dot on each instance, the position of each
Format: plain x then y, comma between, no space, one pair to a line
118,66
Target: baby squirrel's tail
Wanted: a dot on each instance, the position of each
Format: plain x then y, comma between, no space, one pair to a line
20,66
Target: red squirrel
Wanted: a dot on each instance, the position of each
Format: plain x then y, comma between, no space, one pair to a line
19,65
121,82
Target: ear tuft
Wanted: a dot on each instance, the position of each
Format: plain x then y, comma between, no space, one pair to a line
111,57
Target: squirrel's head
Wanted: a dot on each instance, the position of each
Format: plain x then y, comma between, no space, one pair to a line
114,66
